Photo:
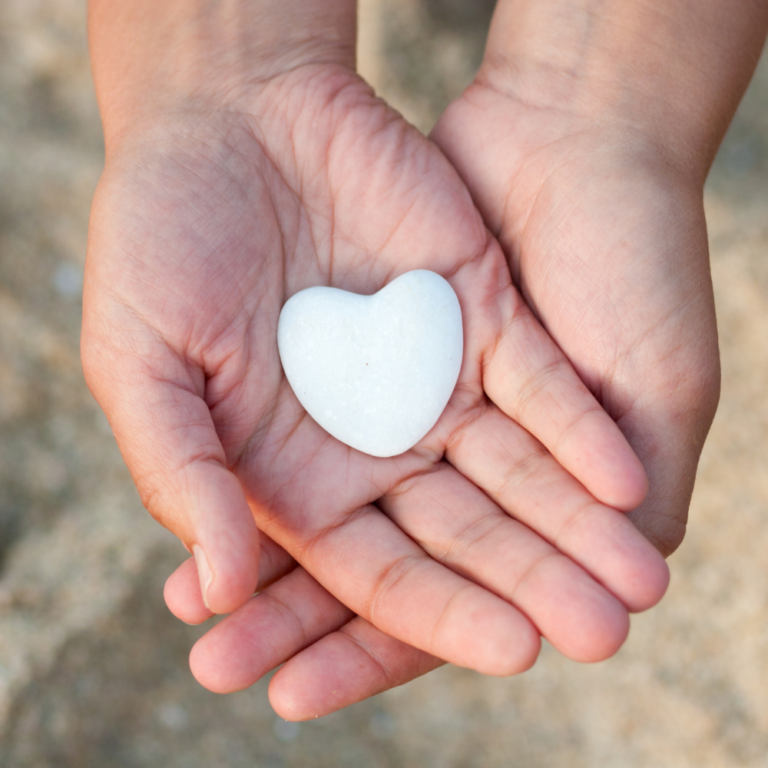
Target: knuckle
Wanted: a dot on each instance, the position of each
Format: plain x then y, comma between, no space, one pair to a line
151,495
541,381
387,583
520,472
163,495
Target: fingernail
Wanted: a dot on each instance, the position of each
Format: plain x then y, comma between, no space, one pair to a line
203,571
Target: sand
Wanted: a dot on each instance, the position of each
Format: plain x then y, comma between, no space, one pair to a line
93,669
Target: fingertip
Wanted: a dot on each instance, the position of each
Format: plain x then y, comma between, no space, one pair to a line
298,699
289,704
487,634
182,594
511,653
204,573
606,464
522,655
586,623
210,662
650,582
632,568
626,484
327,676
227,557
342,669
576,614
600,639
609,547
232,583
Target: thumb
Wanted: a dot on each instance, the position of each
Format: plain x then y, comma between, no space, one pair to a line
167,437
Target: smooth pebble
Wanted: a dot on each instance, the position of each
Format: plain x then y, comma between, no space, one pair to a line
376,372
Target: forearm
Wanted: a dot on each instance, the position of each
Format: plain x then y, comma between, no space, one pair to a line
150,55
674,70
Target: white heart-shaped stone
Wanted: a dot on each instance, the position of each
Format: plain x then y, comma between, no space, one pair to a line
375,371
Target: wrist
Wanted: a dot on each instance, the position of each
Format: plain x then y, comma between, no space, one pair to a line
669,74
153,59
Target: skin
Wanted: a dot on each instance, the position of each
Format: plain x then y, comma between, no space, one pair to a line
594,127
583,216
219,203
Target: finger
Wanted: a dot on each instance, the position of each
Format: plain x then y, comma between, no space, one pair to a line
155,404
461,527
522,478
342,668
182,588
270,628
330,662
395,586
532,381
183,596
369,564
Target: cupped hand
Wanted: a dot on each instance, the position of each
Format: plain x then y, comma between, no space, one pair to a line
605,235
496,527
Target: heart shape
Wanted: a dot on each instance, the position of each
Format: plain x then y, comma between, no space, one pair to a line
375,371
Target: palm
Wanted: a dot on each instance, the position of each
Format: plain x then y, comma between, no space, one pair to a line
608,244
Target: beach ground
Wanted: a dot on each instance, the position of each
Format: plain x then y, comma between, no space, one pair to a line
93,668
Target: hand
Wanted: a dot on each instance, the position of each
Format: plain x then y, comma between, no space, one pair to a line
585,141
572,189
608,244
330,657
223,194
379,197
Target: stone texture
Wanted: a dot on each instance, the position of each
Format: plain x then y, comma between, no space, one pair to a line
375,371
93,669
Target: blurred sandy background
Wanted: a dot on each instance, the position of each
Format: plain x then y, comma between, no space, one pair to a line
93,669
